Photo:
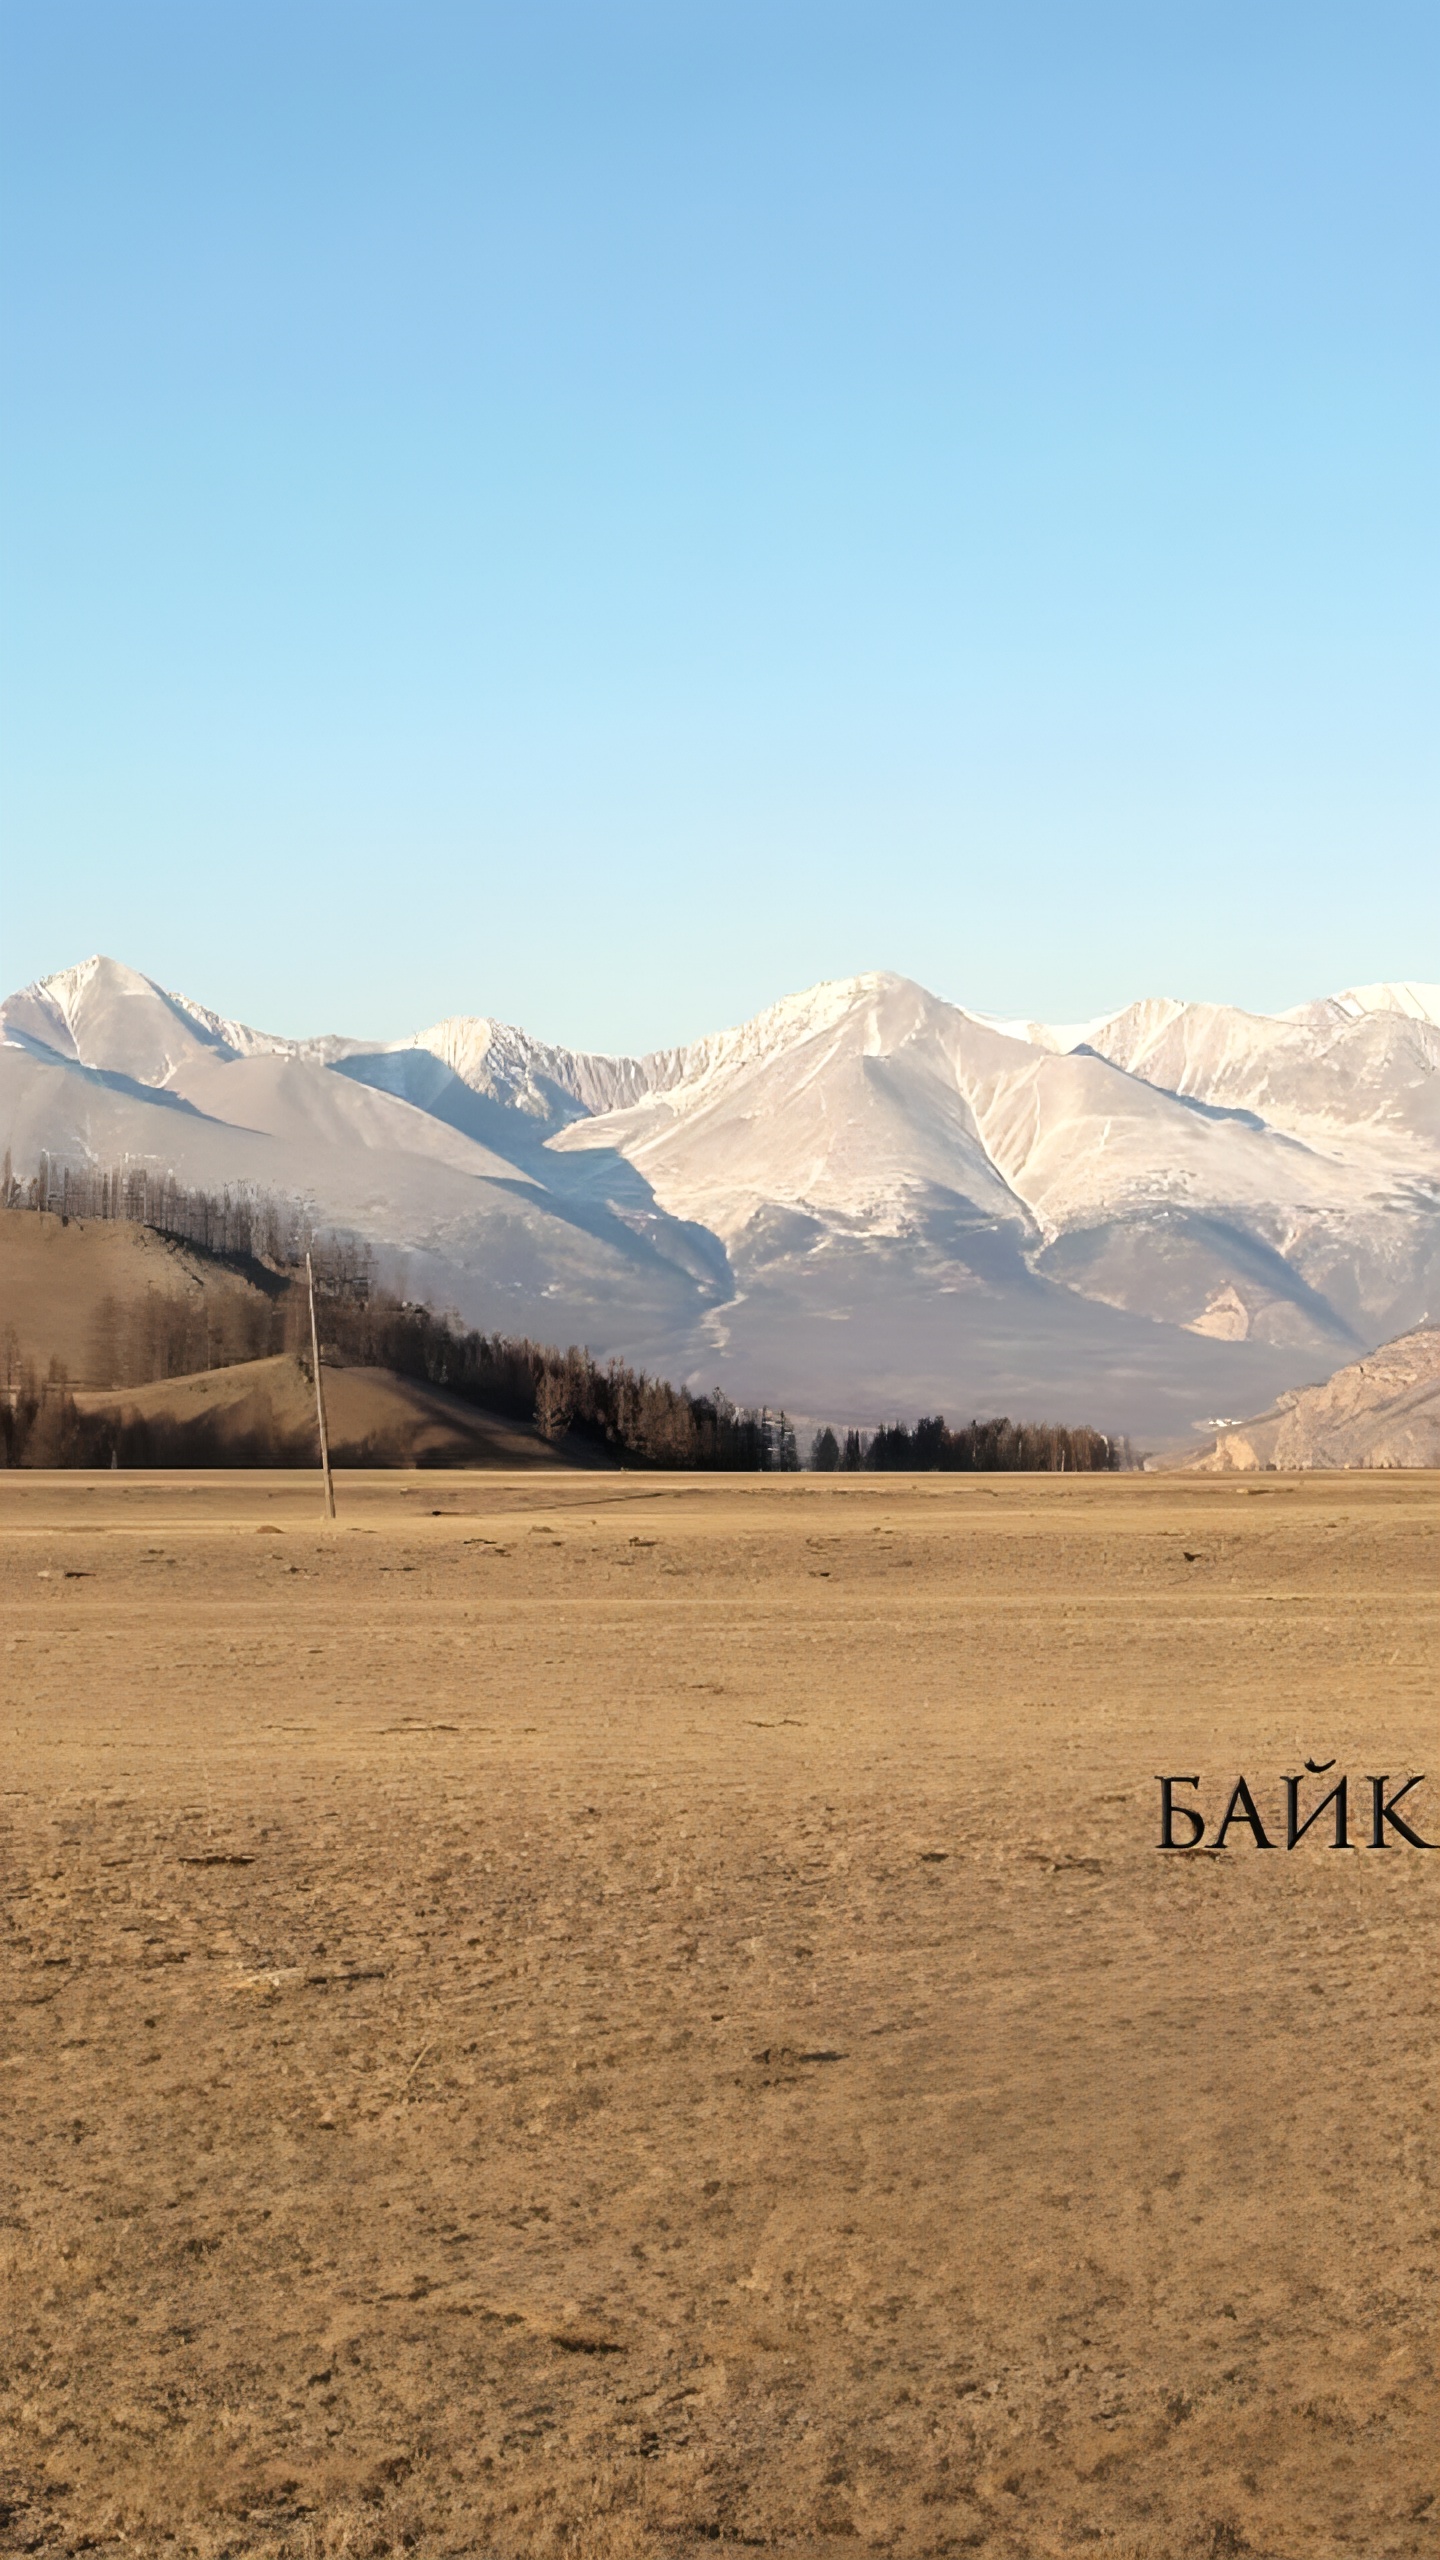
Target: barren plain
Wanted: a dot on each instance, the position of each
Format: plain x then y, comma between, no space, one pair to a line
618,2016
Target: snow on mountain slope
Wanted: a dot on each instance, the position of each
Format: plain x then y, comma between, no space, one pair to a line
1042,1035
1324,1073
863,1102
870,1107
452,1221
1079,1135
99,1064
547,1084
1179,1201
842,1106
308,1107
1404,995
104,1015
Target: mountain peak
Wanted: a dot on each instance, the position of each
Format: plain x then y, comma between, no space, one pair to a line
1407,996
860,1170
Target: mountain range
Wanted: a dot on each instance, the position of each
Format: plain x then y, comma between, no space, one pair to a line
865,1202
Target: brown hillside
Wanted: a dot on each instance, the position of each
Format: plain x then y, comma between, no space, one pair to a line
265,1409
183,1351
107,1299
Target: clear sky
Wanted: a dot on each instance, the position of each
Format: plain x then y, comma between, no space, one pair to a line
604,513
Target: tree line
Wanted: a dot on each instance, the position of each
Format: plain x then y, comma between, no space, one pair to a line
999,1447
246,1224
264,1238
607,1403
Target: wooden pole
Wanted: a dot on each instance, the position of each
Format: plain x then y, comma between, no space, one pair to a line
319,1394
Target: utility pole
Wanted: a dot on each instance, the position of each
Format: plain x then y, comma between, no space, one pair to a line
319,1394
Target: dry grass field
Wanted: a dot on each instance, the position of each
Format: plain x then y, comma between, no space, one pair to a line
612,2016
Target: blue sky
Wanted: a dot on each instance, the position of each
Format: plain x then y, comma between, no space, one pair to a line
604,513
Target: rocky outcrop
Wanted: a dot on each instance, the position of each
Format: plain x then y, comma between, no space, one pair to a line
1383,1411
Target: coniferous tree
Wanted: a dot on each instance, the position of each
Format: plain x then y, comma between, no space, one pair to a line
166,1333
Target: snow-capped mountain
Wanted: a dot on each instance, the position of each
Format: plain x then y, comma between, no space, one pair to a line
864,1200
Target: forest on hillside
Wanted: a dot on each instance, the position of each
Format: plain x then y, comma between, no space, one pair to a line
264,1242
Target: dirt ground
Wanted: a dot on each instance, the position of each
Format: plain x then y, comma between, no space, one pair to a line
618,2016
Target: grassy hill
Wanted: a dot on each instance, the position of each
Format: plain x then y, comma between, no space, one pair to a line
116,1304
260,1412
156,1284
118,1341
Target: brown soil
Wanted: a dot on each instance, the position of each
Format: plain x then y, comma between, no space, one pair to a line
621,2017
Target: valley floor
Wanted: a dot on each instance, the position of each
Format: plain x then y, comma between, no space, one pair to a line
618,2016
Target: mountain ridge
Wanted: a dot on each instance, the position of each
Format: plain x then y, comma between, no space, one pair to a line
861,1190
1382,1411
